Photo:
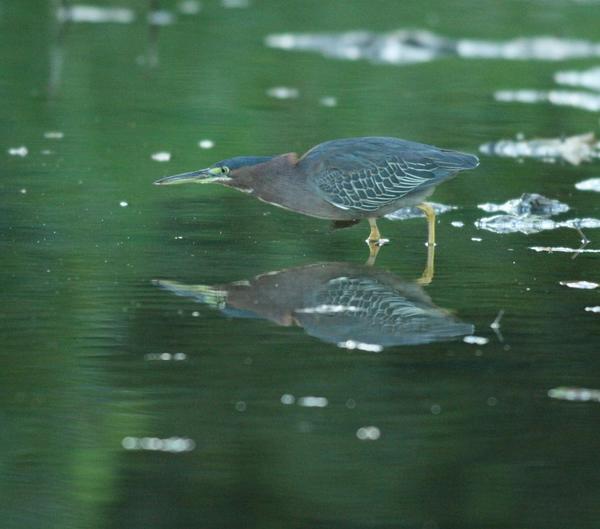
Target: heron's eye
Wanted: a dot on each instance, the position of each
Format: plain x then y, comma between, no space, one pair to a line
225,169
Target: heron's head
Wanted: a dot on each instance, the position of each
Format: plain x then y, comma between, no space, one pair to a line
224,171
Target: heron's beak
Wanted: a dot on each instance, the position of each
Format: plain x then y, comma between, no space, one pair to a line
203,176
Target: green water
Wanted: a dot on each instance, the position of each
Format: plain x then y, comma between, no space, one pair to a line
468,437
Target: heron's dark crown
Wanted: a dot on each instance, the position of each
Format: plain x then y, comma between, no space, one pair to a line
243,161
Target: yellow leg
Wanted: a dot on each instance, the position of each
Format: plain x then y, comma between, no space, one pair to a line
430,214
427,275
373,251
374,235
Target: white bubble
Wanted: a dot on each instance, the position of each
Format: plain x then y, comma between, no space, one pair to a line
54,135
368,433
206,144
235,4
313,402
436,409
287,399
195,314
21,151
328,101
189,7
129,443
162,156
240,405
477,340
457,223
123,203
283,92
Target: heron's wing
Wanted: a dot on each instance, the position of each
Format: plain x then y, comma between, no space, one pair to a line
365,174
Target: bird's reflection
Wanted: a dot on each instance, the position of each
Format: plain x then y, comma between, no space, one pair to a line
353,306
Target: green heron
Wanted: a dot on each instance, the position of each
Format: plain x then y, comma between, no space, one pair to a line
353,306
342,180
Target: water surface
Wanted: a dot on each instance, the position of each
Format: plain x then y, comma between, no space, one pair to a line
125,405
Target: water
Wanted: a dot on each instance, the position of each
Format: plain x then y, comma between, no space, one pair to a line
126,405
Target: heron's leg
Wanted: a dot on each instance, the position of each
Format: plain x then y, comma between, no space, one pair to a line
430,214
374,248
427,275
374,236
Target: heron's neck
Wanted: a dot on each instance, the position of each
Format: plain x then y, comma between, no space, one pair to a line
275,169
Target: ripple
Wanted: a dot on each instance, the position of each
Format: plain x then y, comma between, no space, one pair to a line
573,149
565,98
410,46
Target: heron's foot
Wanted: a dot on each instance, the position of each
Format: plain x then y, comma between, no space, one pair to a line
377,242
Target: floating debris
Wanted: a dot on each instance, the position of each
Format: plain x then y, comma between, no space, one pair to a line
162,156
368,433
206,144
172,444
21,151
586,79
476,340
123,203
409,46
476,239
283,92
414,212
531,224
562,249
313,402
189,7
95,14
165,357
585,285
328,101
528,204
575,394
458,223
593,309
573,149
161,18
592,184
561,98
54,135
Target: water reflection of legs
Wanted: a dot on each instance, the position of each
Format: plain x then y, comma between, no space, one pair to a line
427,275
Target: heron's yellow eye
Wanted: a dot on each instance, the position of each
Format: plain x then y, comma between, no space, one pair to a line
225,169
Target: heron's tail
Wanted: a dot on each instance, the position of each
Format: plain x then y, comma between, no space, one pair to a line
206,294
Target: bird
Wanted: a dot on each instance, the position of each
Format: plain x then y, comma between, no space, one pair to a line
353,306
343,180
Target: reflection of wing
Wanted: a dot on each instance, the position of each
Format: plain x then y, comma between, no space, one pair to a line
364,310
364,174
